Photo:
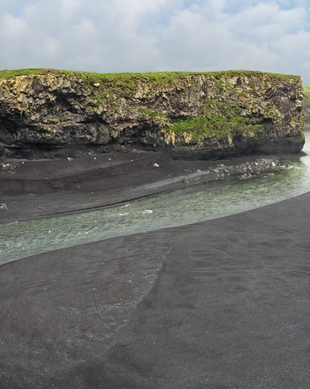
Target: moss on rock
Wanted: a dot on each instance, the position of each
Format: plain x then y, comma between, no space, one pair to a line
211,110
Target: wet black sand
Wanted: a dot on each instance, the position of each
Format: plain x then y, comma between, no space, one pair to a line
218,304
35,189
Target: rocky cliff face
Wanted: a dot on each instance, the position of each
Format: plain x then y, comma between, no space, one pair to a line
307,115
50,113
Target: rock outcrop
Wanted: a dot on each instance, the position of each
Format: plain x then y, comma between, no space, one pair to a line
50,113
307,115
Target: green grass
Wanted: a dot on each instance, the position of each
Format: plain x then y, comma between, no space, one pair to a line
156,77
307,93
212,125
126,84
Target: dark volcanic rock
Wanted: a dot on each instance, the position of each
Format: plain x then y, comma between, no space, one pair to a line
54,114
307,115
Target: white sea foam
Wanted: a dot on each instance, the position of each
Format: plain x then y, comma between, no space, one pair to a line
147,211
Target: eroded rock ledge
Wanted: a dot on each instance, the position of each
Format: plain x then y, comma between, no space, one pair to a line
52,113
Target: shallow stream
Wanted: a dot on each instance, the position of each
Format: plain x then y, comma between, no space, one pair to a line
193,204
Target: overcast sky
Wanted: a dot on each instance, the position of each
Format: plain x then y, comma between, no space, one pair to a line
157,35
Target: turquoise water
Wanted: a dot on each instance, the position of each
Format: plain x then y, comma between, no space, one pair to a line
193,204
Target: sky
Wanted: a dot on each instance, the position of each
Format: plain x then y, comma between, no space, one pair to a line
157,35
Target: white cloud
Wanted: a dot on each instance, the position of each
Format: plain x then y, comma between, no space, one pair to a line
139,35
13,27
85,30
291,19
293,45
262,21
68,8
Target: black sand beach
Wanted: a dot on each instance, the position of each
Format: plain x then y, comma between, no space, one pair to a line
42,188
218,304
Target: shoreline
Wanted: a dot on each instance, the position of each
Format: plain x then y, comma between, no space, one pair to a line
207,300
218,302
46,188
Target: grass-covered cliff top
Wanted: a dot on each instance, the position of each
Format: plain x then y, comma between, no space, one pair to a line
154,76
199,107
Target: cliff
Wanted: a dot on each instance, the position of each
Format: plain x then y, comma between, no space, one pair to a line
50,113
307,108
